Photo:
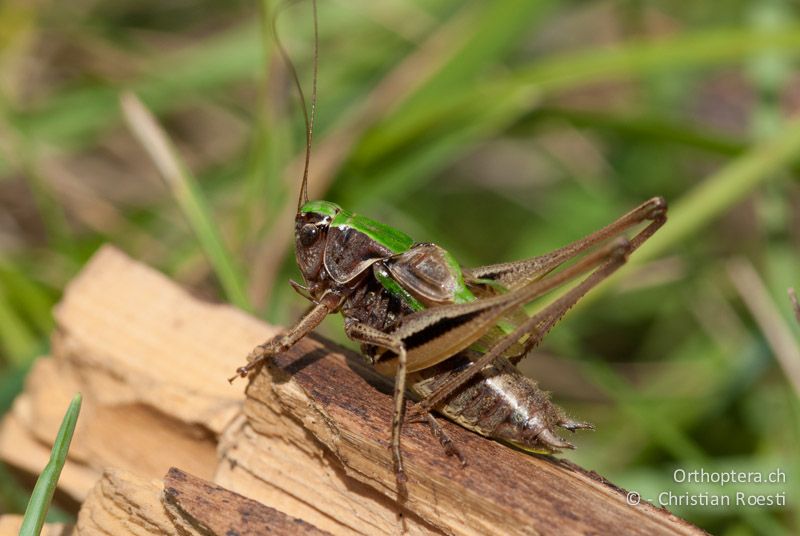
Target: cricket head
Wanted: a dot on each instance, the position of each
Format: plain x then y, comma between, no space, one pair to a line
310,232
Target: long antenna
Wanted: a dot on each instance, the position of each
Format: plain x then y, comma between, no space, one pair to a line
309,121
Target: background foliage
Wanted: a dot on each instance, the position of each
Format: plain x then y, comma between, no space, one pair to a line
498,129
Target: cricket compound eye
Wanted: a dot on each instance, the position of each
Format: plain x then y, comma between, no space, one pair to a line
308,234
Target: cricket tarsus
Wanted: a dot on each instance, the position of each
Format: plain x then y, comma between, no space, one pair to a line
283,342
450,448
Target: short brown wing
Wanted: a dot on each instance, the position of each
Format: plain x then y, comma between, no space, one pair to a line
424,272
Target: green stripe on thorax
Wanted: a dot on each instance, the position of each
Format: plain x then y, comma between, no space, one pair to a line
326,208
462,294
394,288
389,237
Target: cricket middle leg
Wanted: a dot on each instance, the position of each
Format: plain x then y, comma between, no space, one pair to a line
364,333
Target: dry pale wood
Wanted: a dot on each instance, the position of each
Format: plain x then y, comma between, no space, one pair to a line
196,504
145,408
181,505
501,491
281,463
10,524
122,503
130,435
312,441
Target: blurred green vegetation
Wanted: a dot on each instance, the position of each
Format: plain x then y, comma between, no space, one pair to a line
497,129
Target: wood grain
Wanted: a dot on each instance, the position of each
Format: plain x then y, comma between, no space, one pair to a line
216,510
500,491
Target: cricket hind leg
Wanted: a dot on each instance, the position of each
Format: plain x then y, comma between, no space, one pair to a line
535,327
552,315
283,342
364,333
515,273
449,446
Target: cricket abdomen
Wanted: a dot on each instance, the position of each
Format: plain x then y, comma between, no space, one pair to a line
500,403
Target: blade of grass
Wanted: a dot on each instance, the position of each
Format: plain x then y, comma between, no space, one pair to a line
264,193
724,189
637,127
16,339
495,29
42,494
416,132
778,335
187,194
28,297
718,193
73,118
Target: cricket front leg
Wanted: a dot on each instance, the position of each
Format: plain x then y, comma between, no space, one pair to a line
283,342
364,333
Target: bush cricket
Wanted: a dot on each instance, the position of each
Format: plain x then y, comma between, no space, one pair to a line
451,334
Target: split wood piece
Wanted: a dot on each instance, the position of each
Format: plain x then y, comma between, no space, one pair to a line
283,465
180,505
194,503
151,365
10,524
128,435
123,503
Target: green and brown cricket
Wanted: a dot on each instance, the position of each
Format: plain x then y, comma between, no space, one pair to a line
451,334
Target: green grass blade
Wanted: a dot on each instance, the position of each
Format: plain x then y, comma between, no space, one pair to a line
714,196
724,189
33,301
493,29
483,109
17,340
74,117
42,494
188,196
653,128
688,51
